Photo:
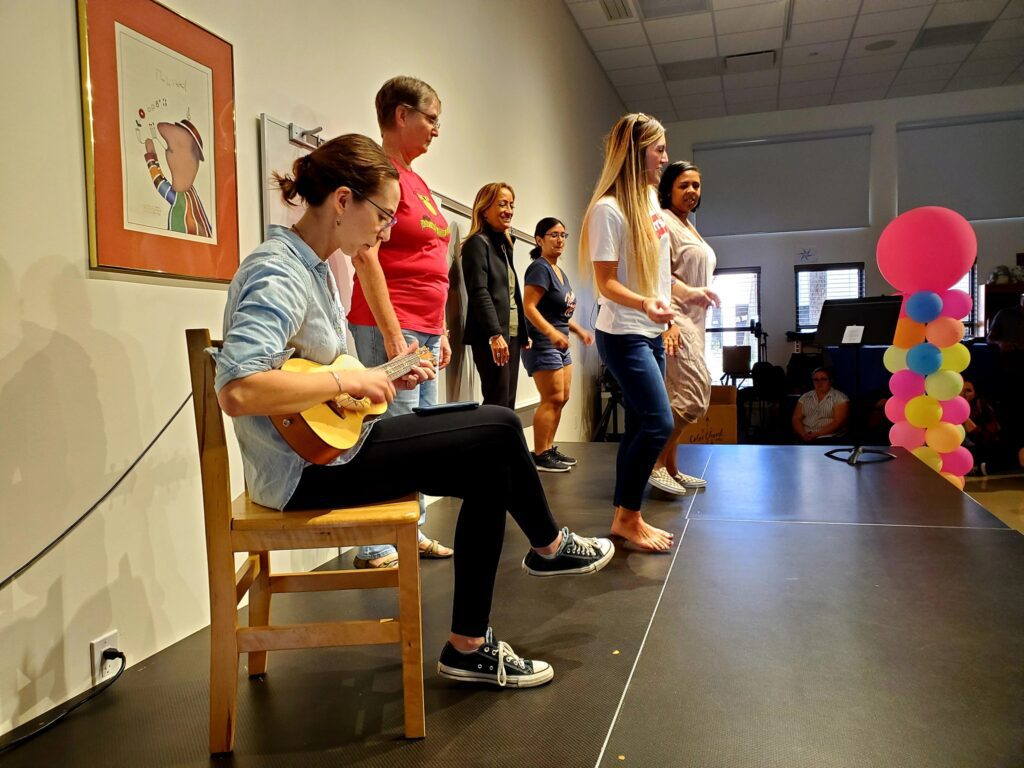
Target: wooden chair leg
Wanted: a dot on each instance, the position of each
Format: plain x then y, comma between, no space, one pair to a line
259,612
223,677
410,618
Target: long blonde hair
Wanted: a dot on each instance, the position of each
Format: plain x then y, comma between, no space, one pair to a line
485,199
624,177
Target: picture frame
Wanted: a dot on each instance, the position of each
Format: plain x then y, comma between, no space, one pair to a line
158,115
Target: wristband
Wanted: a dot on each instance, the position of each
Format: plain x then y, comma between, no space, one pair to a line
337,380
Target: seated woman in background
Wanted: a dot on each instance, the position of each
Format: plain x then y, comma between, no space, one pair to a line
283,301
549,303
495,325
985,437
822,412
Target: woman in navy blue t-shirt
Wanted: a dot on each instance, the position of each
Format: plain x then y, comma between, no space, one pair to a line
548,303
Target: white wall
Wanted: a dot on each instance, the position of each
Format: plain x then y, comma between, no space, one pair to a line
94,365
776,254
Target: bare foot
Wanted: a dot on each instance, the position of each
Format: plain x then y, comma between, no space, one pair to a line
632,527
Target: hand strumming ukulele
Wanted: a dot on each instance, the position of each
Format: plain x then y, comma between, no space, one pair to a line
322,433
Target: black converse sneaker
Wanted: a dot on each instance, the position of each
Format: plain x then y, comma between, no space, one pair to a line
546,462
577,554
493,662
559,456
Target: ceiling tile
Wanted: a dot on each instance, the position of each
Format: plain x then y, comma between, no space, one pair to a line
751,107
680,28
821,71
805,11
967,83
643,92
621,36
925,74
750,94
695,85
859,45
659,108
867,64
821,31
699,100
724,5
686,50
766,77
1004,28
804,102
1004,66
700,113
997,48
1014,10
916,89
748,42
624,58
945,54
588,14
807,88
1017,76
947,14
866,94
635,75
860,82
750,18
877,6
813,54
891,21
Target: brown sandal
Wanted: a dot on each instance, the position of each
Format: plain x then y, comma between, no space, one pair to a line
387,561
433,551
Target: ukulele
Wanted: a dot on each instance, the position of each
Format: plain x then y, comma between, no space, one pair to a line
323,432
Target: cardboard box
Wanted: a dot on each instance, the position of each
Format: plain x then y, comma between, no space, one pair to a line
718,424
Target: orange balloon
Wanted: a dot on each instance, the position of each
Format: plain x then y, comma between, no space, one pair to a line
943,331
909,333
954,479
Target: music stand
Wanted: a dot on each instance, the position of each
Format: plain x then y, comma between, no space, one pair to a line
854,323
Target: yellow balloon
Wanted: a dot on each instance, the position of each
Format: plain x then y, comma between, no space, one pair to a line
943,437
894,359
961,432
956,358
924,411
944,385
929,456
954,479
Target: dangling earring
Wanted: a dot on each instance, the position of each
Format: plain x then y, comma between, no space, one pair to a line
337,222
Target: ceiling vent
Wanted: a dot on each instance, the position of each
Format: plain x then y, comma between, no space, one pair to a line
955,34
659,9
749,62
616,10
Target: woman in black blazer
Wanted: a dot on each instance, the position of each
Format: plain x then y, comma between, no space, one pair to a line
495,324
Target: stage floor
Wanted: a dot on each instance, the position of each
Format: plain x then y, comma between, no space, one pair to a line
812,615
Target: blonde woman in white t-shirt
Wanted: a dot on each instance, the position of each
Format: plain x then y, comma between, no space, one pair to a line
625,242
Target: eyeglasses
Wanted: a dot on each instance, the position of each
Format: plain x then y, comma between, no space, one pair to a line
558,235
433,120
392,219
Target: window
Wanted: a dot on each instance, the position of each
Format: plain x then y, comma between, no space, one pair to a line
969,284
826,281
729,324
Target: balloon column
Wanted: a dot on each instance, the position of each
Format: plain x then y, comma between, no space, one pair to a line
922,253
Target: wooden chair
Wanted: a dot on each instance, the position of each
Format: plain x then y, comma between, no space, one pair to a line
243,526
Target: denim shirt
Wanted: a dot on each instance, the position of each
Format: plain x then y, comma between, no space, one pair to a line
283,301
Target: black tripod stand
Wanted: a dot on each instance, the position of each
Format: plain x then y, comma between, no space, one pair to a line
610,414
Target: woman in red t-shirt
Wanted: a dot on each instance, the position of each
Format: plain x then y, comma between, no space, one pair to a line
401,286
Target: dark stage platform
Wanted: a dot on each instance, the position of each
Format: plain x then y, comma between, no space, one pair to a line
813,615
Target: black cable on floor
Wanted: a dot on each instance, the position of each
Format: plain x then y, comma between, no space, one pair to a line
99,501
10,741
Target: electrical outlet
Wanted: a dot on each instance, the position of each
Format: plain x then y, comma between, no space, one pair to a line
103,668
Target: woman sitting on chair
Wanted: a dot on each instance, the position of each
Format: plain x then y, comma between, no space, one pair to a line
282,302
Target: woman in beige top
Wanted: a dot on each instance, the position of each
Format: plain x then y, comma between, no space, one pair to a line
686,376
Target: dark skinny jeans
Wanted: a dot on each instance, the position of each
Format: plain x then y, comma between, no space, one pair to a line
479,456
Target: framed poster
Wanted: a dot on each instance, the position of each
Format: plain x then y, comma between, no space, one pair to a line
159,124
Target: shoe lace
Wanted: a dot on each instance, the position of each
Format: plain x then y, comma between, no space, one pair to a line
507,656
579,545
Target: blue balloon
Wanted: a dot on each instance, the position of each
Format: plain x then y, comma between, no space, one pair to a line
924,358
924,306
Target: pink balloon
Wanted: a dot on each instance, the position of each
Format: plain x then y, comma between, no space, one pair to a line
906,384
958,462
926,249
894,408
956,303
906,435
955,411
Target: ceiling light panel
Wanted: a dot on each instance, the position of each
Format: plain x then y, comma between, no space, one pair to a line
948,14
748,42
805,11
750,18
943,55
620,36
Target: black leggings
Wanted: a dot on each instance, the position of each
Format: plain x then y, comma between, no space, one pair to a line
479,456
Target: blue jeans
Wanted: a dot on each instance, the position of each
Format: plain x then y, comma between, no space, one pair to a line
370,350
638,365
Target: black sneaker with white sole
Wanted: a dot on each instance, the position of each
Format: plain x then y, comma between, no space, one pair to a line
546,462
559,456
493,662
577,554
